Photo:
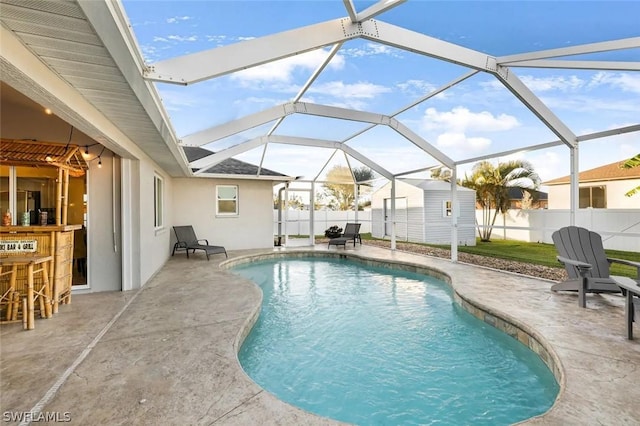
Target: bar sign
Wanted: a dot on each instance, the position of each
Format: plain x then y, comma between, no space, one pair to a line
18,246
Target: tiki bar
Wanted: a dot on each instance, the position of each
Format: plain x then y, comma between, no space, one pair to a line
43,207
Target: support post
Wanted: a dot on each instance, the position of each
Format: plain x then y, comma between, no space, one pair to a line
455,213
393,213
574,185
312,215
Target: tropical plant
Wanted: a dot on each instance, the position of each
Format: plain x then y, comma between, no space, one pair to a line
441,173
340,184
630,163
492,184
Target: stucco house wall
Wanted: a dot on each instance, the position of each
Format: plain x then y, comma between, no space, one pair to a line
559,195
194,203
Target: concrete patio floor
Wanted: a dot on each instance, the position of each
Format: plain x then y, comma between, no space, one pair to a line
166,354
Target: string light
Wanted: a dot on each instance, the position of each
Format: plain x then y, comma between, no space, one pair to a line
48,158
100,158
48,111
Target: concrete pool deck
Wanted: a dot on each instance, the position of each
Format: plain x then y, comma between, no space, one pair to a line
166,354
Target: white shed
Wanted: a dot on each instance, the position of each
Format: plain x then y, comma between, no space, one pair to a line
423,212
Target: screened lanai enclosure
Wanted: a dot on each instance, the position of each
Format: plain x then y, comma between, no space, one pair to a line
398,87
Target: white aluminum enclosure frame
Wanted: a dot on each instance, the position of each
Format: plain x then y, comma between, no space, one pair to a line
232,58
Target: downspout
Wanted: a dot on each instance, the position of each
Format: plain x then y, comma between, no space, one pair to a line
280,191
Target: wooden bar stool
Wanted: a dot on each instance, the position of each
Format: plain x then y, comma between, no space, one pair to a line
34,264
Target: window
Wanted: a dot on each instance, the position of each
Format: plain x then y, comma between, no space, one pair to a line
593,196
158,202
227,200
446,208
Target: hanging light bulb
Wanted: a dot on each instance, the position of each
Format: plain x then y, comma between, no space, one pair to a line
85,154
48,158
99,162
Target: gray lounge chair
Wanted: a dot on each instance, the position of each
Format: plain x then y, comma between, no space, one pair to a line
583,256
187,240
351,232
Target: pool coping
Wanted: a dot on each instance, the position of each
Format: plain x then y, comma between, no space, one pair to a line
502,321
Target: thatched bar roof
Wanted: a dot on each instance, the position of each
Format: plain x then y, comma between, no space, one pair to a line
42,154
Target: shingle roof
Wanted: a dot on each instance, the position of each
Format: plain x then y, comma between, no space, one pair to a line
516,194
612,171
229,166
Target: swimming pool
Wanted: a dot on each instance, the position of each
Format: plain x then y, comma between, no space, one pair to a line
370,345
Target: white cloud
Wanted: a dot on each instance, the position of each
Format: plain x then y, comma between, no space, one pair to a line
560,83
182,38
460,119
372,49
341,90
283,69
623,81
453,141
177,19
420,88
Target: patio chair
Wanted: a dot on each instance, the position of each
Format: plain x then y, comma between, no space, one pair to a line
583,256
187,240
351,232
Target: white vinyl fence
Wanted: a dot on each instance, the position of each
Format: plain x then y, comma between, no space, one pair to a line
620,228
297,221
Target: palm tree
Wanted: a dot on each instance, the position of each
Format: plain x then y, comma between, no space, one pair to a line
632,162
492,184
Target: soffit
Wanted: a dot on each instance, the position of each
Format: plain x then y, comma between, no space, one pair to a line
64,40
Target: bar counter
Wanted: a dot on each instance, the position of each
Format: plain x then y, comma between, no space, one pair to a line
52,240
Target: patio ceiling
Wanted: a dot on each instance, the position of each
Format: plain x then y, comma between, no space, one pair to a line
80,43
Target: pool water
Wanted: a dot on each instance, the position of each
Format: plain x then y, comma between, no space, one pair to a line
370,345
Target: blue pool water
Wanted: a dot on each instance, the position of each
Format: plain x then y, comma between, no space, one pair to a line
372,345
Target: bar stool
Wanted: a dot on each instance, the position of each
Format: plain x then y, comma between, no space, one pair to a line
34,264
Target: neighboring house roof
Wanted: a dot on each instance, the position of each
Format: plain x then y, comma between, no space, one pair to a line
432,184
516,194
612,171
229,166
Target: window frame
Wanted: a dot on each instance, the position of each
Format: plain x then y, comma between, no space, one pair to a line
447,208
590,190
236,199
158,201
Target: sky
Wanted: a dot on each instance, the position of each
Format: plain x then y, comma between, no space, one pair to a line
474,118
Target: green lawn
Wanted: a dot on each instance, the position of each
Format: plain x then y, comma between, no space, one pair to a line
537,253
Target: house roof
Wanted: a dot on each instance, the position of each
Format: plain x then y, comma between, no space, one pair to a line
613,171
230,166
516,194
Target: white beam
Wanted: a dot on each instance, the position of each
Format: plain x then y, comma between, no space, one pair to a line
341,113
367,162
223,60
585,137
611,132
535,105
420,170
415,42
621,44
233,127
351,10
417,102
578,65
322,143
309,82
421,143
378,8
211,160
